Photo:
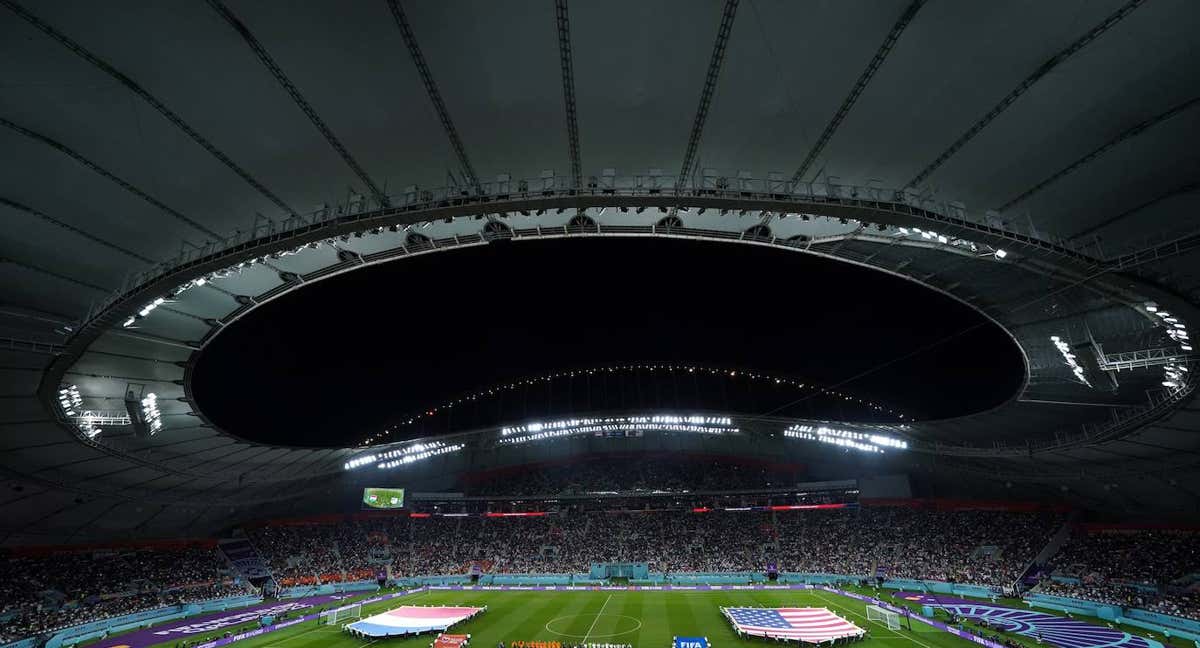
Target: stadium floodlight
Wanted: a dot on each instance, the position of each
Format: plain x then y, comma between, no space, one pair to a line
1000,254
403,456
152,415
419,452
359,461
70,399
616,426
144,413
88,428
861,441
1174,375
86,421
1070,358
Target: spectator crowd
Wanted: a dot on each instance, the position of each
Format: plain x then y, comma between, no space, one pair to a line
1151,570
982,547
1157,571
609,475
45,592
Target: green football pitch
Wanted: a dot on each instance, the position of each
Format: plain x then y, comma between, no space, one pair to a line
640,618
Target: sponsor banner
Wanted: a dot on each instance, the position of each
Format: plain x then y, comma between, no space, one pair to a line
930,622
287,624
612,588
691,642
450,641
209,625
255,632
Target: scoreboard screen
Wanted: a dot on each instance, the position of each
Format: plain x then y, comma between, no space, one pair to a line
383,498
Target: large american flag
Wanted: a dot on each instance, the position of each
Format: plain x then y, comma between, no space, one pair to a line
812,625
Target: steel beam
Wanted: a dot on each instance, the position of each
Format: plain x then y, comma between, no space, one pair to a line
431,89
1045,68
129,83
706,94
74,230
861,84
568,80
1131,132
298,98
56,275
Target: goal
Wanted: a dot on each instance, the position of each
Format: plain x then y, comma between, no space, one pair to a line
334,616
887,617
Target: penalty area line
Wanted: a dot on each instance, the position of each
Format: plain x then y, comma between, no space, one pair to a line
904,636
297,636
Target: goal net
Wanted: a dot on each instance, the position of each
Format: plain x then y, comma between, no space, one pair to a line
887,617
332,617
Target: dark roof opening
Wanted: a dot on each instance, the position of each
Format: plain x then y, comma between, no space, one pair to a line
767,330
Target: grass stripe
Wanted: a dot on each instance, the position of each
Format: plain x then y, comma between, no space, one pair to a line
522,615
597,619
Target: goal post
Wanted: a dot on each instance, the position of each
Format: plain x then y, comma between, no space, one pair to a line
337,615
886,617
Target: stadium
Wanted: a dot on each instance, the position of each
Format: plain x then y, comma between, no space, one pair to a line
562,324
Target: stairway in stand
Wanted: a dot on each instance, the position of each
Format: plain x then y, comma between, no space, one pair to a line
244,558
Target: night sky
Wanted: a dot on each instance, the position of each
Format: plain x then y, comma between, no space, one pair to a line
345,357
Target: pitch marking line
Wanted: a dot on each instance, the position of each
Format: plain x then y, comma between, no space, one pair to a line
599,636
833,603
596,620
297,636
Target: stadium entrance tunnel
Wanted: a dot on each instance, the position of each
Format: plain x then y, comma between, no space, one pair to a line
521,330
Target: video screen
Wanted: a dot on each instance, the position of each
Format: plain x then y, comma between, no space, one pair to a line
383,498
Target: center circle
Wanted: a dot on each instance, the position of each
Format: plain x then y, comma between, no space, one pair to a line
595,617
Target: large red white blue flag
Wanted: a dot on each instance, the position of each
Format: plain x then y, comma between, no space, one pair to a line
412,619
812,625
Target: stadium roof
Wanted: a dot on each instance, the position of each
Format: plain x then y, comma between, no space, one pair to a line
1030,159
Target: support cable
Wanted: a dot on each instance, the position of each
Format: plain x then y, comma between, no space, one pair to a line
1178,191
1038,74
71,228
298,98
431,89
56,275
1131,132
876,62
148,98
568,81
706,95
62,148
